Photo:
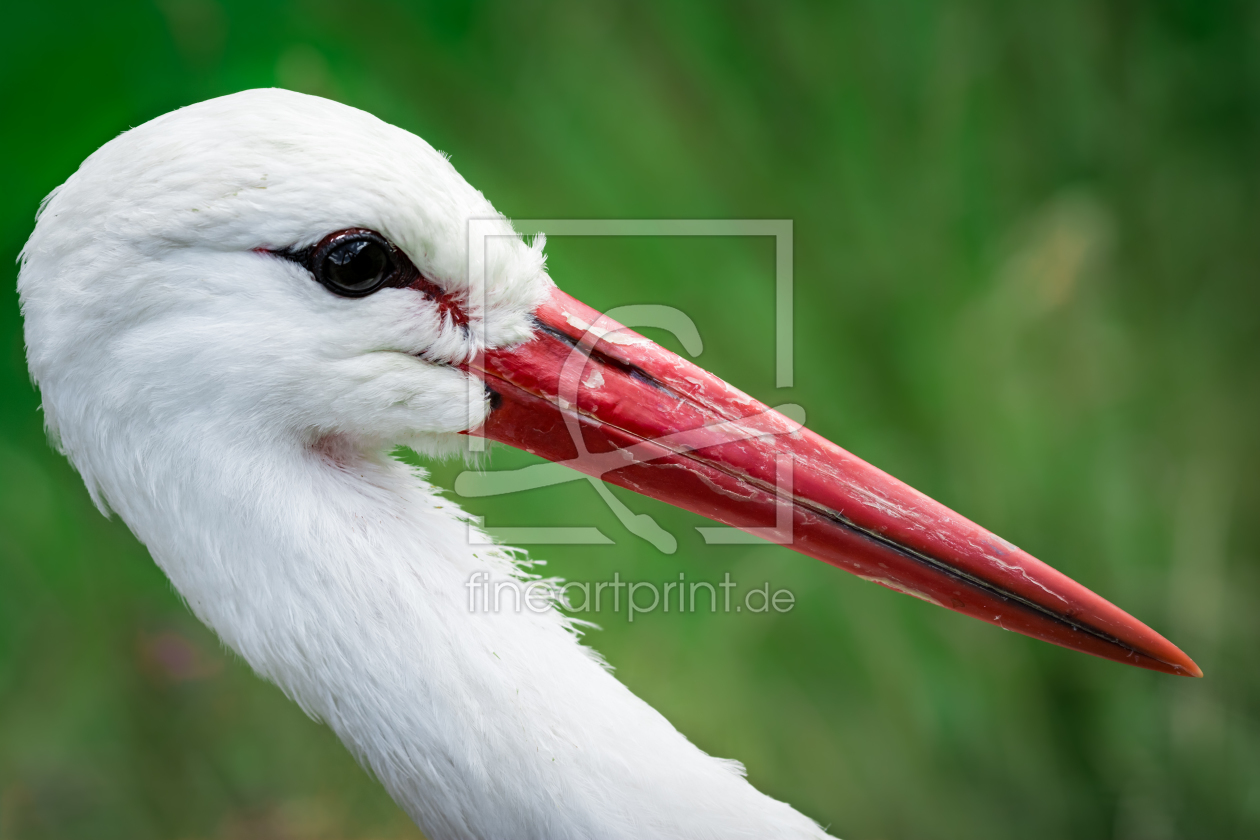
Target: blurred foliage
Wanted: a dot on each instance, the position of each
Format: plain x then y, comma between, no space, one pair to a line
1026,247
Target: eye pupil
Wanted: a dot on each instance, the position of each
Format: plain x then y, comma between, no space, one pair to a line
357,262
357,266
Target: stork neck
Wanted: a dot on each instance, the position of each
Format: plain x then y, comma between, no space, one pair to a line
342,576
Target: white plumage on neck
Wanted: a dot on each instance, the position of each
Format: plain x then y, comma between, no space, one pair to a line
238,418
342,578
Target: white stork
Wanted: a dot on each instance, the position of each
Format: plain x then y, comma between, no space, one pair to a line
236,310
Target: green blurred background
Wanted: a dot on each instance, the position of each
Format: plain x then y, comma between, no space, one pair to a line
1027,242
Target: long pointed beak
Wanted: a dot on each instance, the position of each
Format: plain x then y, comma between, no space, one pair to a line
592,394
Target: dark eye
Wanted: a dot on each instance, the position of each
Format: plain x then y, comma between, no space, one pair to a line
355,263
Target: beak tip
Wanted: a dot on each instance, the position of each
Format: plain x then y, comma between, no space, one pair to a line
1171,660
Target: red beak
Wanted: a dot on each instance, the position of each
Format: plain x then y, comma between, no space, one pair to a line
604,400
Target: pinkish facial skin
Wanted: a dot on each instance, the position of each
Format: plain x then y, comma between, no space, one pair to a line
608,402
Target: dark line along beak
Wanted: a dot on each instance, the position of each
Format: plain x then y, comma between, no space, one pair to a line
608,402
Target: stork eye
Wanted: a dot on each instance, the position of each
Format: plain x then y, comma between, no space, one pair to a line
356,263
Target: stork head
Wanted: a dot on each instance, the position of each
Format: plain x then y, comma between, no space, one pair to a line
275,262
276,266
